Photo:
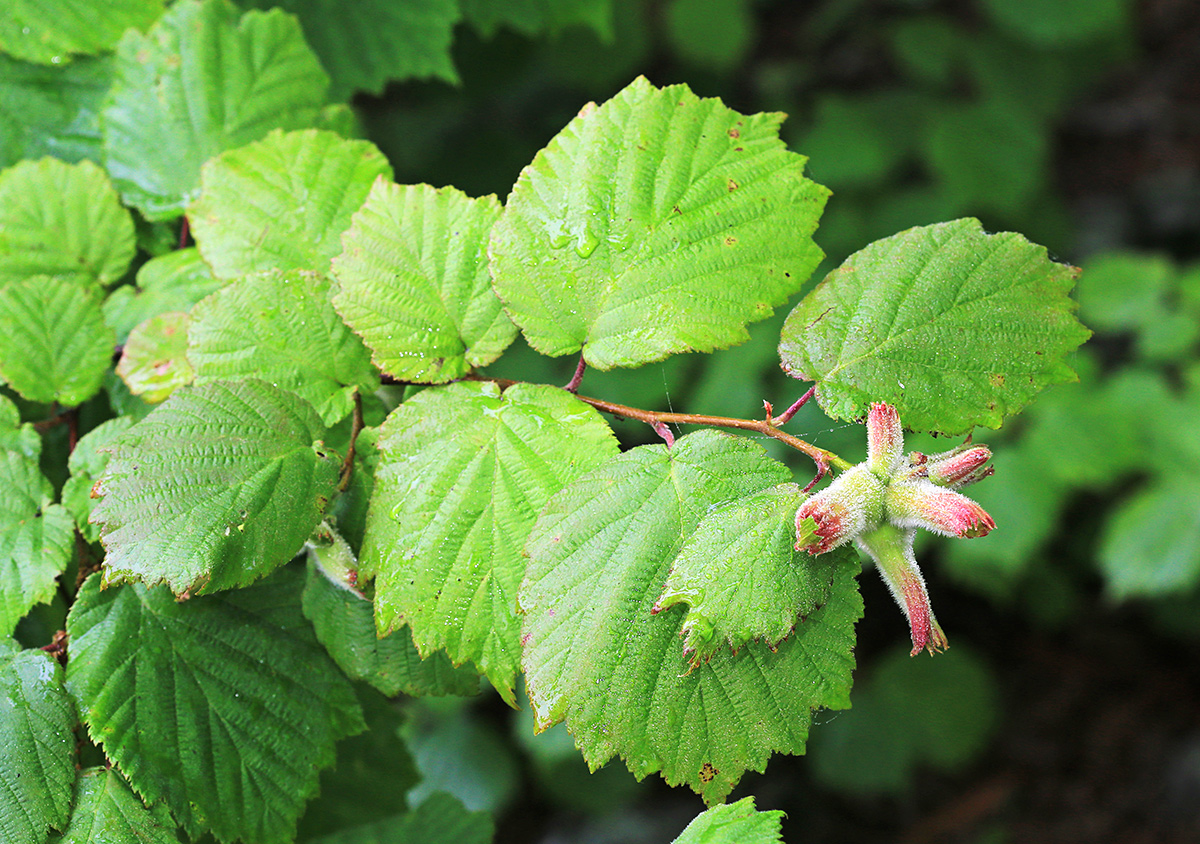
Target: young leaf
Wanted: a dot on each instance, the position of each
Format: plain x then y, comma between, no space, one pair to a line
224,707
51,31
52,110
281,327
202,81
217,487
440,819
106,811
54,345
154,360
37,747
63,220
413,282
36,538
368,43
171,282
86,464
952,326
656,223
733,823
282,202
463,472
740,576
345,625
596,657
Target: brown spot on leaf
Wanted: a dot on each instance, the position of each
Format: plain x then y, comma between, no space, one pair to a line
729,241
997,379
735,134
708,773
732,185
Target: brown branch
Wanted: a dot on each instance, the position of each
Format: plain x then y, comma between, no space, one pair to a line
356,426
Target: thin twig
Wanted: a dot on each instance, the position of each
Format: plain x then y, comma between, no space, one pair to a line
791,411
573,384
356,426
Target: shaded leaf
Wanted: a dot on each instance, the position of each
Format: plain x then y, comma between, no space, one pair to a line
952,326
597,658
62,219
281,327
36,538
654,224
441,818
171,282
535,17
202,81
154,359
282,203
218,486
413,282
37,746
54,345
345,625
52,110
86,464
221,706
106,811
51,31
463,472
733,823
1151,544
15,436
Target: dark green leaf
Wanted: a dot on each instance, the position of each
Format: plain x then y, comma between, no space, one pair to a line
535,17
86,464
441,819
1151,545
48,110
106,811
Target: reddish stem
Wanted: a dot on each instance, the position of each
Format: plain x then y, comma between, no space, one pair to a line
573,384
787,415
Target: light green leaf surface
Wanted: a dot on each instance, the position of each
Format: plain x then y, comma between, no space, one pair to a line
463,472
36,538
440,819
202,81
51,31
171,282
345,625
1151,544
86,464
37,746
154,360
106,811
48,110
15,436
740,576
62,219
654,224
222,706
54,345
733,823
413,282
281,327
282,203
535,17
953,326
597,658
218,486
1120,291
368,43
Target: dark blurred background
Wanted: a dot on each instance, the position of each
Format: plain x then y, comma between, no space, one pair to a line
1068,708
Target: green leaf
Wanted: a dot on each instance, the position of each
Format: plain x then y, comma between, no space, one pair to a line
52,110
171,282
938,713
536,17
202,81
36,538
64,220
1151,544
222,706
714,34
51,31
733,823
1124,290
952,326
106,811
37,746
413,282
282,202
438,820
86,464
656,223
54,345
463,472
217,487
281,327
154,360
366,44
597,657
15,436
1056,23
345,625
374,764
741,577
